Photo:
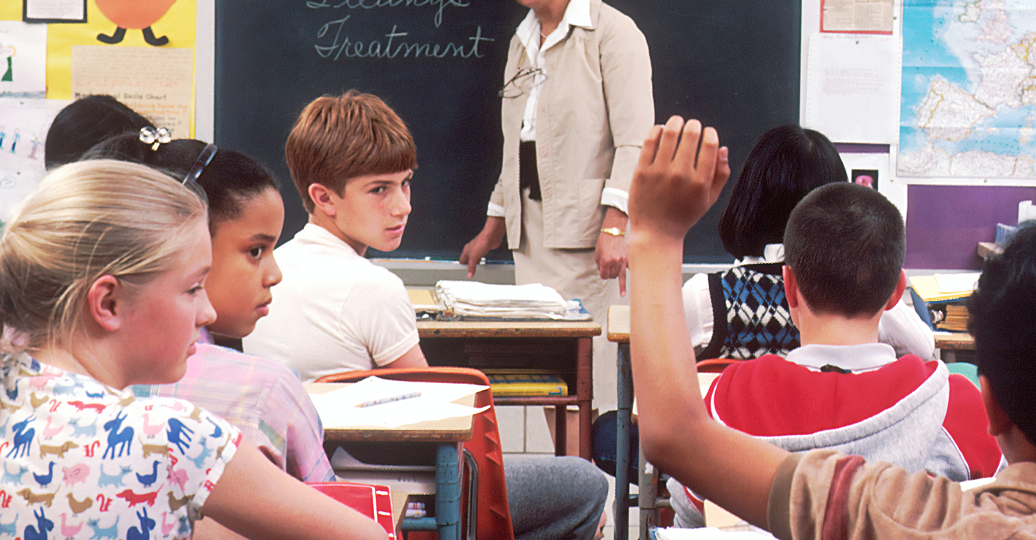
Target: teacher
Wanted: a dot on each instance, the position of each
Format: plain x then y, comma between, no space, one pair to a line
576,106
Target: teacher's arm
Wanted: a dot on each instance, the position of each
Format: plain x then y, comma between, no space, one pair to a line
490,238
626,82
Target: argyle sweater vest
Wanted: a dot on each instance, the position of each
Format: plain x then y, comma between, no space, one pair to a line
751,315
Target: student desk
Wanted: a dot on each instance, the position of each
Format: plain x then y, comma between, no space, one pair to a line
619,332
950,343
447,435
563,347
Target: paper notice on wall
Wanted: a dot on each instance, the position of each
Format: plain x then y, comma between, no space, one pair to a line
152,81
23,59
852,88
55,10
865,16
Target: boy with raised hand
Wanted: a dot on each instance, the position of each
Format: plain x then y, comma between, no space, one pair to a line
820,493
842,389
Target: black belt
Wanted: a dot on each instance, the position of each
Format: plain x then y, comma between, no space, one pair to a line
527,175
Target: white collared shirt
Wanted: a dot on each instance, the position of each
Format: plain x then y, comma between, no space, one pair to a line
576,14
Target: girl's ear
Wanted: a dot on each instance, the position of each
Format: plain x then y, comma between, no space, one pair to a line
104,301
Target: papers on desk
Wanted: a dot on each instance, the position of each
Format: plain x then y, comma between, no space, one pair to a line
944,287
339,408
533,301
711,533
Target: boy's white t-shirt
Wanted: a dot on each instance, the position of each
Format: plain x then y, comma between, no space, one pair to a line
333,311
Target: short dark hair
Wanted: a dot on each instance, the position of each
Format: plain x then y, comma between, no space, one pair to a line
337,138
845,244
229,180
786,163
1003,320
86,122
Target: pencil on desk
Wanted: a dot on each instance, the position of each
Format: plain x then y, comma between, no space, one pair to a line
390,399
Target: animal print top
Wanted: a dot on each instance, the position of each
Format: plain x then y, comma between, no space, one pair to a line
99,463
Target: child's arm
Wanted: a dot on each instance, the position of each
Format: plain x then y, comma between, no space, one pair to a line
257,500
671,190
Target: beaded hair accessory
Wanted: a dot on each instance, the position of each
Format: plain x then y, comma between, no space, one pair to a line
155,137
203,161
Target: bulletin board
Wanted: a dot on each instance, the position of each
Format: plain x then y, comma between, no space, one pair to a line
142,53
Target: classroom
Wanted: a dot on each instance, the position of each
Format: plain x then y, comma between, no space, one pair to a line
509,275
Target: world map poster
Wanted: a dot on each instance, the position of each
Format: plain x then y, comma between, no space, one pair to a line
969,89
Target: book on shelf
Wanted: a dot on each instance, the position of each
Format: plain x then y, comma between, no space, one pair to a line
510,382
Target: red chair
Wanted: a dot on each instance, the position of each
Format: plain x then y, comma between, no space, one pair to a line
714,365
493,521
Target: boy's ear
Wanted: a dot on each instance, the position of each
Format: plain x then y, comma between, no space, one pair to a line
791,287
898,292
323,198
104,302
999,423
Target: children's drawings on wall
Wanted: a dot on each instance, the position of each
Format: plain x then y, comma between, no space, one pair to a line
157,83
23,60
23,130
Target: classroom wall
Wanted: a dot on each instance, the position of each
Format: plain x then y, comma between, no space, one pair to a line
937,239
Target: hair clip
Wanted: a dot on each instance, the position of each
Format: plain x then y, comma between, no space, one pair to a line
155,137
203,161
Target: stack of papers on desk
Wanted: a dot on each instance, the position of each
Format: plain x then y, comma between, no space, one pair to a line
533,301
944,287
434,401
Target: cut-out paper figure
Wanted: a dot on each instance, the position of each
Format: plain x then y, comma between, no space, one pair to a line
2,137
14,141
8,53
135,14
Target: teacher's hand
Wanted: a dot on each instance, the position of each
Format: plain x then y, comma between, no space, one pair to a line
491,237
610,252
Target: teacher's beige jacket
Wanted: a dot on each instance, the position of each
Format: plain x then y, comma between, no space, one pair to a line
595,110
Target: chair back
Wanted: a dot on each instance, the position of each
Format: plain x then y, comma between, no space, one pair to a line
494,515
714,365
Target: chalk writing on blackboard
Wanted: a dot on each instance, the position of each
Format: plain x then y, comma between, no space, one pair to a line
334,39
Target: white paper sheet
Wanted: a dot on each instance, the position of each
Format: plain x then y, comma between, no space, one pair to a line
56,10
953,283
710,533
852,88
338,409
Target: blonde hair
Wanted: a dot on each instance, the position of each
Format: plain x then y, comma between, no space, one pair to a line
84,221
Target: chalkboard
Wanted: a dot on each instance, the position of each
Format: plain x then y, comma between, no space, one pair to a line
439,64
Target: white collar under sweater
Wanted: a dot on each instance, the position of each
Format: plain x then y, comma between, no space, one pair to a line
855,358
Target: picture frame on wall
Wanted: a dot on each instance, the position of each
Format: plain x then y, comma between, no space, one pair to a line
54,11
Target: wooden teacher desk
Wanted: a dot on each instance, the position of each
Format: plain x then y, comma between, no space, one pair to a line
562,347
446,435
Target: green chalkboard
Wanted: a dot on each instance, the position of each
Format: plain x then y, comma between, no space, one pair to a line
439,64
